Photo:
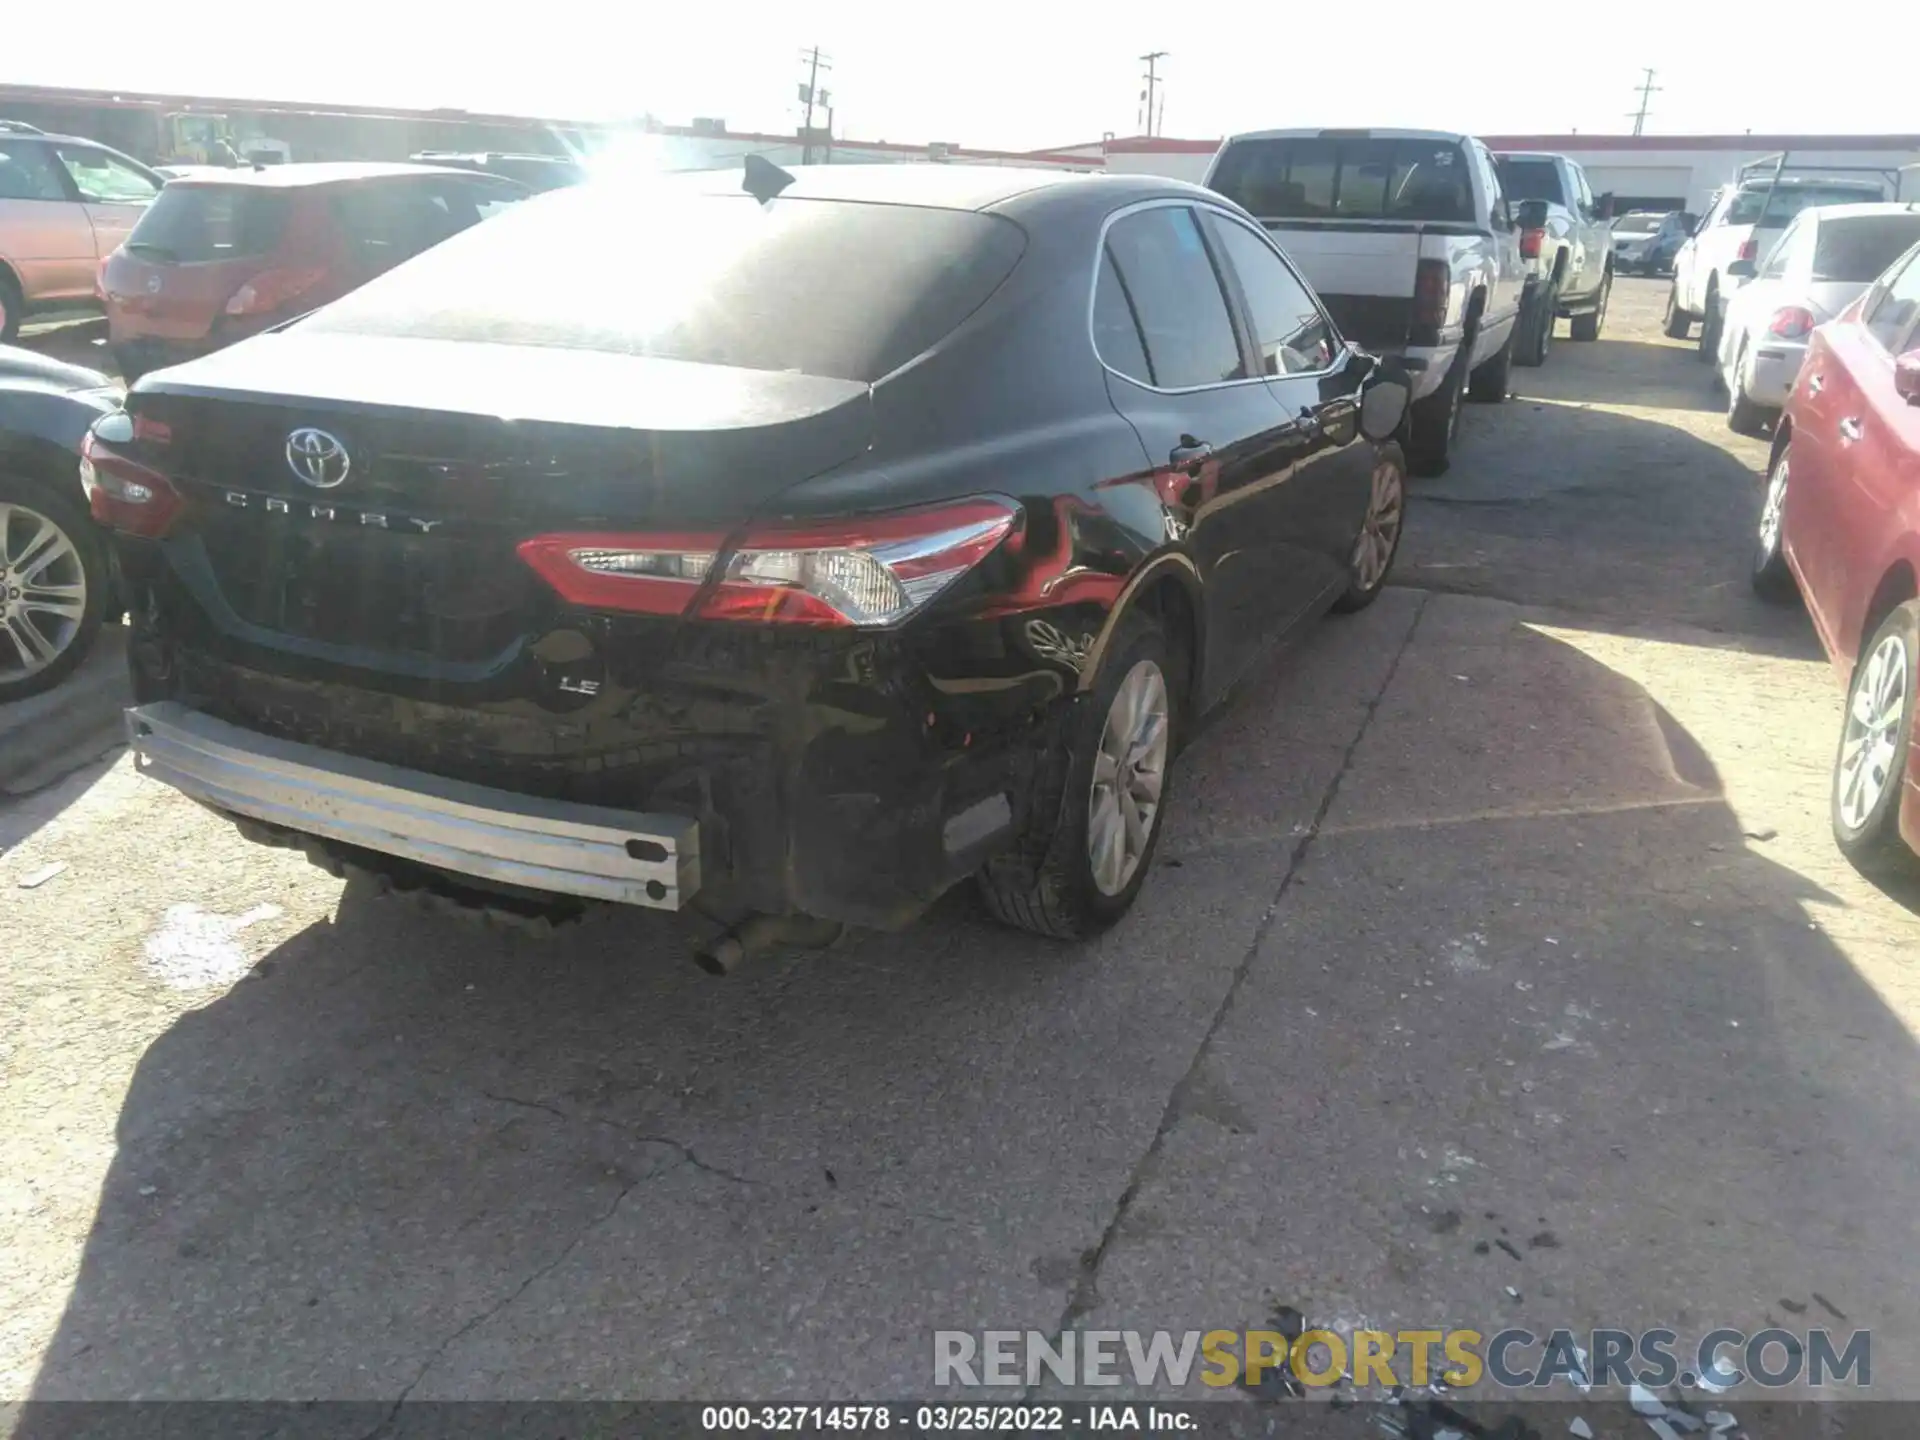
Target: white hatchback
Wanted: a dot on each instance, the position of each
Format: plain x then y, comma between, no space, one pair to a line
1823,260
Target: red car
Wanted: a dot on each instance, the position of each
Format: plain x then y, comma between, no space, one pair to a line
222,255
1842,518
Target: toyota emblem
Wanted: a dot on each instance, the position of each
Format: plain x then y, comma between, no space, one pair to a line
317,458
153,283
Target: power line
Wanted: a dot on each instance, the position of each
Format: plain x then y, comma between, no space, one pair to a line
1152,77
810,93
1647,90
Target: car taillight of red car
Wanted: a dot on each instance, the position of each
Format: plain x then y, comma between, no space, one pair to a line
863,572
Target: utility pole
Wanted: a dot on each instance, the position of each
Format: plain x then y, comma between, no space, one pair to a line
1152,77
810,92
1647,90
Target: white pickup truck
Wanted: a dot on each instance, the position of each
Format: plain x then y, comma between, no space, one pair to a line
1745,220
1408,240
1569,252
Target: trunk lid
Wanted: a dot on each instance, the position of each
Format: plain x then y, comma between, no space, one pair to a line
1363,273
448,455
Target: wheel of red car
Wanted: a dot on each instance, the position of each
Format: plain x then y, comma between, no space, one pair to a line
53,586
1869,772
1097,810
1771,578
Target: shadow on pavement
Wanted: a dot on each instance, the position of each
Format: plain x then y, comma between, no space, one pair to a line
1656,374
406,1158
1592,511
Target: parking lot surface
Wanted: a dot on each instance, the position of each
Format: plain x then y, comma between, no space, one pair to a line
1498,968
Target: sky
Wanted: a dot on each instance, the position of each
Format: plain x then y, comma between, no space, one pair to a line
998,74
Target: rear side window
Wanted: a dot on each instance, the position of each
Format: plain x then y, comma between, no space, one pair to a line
387,221
1289,331
1176,295
1531,180
104,179
832,288
1857,248
1310,176
1116,334
27,173
1898,306
189,223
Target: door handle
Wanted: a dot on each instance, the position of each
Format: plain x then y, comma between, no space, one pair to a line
1189,453
1815,384
1850,428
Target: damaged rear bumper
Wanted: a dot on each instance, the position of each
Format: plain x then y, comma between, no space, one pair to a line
563,847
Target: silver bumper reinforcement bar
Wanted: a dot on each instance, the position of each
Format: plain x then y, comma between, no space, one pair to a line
552,845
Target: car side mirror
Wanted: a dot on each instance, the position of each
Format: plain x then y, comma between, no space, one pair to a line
1743,270
1604,206
1532,214
1384,400
1906,377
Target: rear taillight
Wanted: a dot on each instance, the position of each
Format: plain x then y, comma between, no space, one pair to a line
124,494
1530,243
869,572
1749,249
1431,281
1794,322
270,290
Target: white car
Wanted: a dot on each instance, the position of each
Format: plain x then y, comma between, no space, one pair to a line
1742,225
1828,256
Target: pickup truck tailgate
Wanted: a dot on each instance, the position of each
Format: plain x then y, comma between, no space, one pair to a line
1364,274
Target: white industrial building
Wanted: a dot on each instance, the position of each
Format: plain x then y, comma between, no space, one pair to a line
1642,172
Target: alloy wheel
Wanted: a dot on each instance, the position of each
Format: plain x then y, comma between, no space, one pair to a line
43,591
1773,509
1129,773
1875,712
1373,551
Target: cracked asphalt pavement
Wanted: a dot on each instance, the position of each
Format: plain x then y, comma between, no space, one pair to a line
1498,968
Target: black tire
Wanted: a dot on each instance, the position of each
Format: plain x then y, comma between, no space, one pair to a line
1711,320
1678,322
1744,416
1046,883
1538,327
28,500
1872,840
1587,326
12,308
1361,592
1489,384
1771,577
1435,421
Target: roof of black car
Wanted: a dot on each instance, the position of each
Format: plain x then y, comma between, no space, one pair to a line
951,187
314,172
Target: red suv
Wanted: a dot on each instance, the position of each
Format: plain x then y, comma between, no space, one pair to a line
221,256
1842,517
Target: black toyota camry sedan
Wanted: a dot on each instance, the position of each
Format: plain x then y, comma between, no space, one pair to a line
789,544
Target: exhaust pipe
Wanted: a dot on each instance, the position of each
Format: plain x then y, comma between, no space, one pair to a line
725,953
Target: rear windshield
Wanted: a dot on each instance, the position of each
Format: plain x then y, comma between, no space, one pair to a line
815,287
210,222
1309,176
1857,248
1531,180
1791,200
1635,224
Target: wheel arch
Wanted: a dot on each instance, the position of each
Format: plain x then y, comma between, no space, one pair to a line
1897,586
1167,588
